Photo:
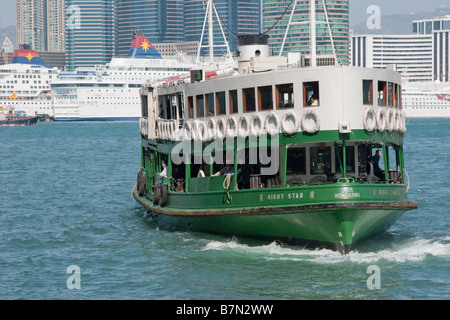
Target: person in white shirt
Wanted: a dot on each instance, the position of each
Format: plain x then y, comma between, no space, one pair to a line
164,170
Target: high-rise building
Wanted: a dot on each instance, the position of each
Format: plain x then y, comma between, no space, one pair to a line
158,20
412,54
90,32
276,16
55,26
177,21
40,24
421,56
439,29
31,23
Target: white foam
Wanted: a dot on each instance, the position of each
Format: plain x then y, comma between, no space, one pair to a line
416,250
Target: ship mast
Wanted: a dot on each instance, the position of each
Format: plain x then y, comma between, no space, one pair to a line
209,17
313,24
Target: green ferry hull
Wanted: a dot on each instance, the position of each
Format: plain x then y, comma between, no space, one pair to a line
338,226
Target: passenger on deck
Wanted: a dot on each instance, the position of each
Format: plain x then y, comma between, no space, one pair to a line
228,169
313,101
376,165
163,173
201,173
243,175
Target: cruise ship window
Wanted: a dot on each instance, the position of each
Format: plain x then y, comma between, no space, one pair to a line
382,93
265,101
367,92
233,101
248,97
220,103
311,95
284,96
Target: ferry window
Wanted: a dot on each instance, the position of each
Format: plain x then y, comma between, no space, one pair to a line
200,106
311,94
367,92
284,96
349,159
265,101
248,97
382,93
320,160
390,94
209,104
144,106
233,101
220,103
296,161
180,112
190,107
396,95
400,96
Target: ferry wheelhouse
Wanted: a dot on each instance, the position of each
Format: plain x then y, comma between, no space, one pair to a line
301,141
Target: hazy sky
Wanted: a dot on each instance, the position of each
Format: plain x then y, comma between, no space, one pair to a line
357,8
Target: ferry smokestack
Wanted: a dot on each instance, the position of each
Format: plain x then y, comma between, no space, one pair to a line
251,47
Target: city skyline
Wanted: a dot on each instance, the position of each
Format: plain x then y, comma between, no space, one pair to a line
358,9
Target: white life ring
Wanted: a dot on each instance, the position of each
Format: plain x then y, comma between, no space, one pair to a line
243,127
369,120
199,130
165,130
187,128
290,123
212,128
256,125
398,121
272,124
203,131
159,129
381,120
175,127
403,122
310,121
221,128
232,127
390,120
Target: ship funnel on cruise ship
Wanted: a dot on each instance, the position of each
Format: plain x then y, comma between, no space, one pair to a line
141,48
28,56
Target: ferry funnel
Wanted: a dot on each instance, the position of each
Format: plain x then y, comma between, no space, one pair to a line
253,46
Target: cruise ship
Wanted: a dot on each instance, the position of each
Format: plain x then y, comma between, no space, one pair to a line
426,99
25,85
111,92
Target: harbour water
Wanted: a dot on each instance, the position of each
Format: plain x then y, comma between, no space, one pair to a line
65,207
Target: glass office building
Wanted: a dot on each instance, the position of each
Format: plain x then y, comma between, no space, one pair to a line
275,21
159,20
90,34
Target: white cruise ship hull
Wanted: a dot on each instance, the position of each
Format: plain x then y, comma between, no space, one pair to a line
426,100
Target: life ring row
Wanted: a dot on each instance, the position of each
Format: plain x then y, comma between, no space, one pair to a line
384,120
256,125
166,129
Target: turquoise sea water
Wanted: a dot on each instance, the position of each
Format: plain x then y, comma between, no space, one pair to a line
65,205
